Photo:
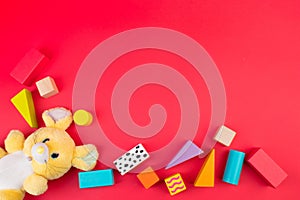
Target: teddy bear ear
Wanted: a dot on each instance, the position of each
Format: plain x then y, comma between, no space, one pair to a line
85,157
60,118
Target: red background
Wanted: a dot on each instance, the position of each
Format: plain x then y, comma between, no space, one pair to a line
255,45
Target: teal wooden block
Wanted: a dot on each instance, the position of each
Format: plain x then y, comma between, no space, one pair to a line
233,167
96,178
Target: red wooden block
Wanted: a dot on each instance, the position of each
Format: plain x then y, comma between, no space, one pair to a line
28,65
265,166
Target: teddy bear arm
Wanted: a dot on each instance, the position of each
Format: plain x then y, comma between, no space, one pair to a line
14,141
35,184
85,157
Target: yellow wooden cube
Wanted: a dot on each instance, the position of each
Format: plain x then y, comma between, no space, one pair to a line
175,184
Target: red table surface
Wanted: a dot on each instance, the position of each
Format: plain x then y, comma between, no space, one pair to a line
255,44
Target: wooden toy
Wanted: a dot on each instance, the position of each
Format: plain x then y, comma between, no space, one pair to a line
131,159
47,87
24,103
188,151
29,64
148,177
83,118
225,135
206,175
233,167
266,167
97,178
175,184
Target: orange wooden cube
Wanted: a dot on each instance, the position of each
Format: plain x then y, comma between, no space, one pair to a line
148,177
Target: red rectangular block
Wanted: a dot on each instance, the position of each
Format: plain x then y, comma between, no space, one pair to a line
265,166
28,65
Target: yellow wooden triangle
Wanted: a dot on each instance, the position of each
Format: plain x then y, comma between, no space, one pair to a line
206,175
24,103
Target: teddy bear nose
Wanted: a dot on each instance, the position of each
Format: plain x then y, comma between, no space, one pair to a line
40,152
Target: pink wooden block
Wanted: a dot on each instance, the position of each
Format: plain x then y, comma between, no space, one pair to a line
265,166
28,65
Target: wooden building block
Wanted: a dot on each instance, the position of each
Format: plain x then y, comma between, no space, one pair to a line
47,87
175,184
24,103
25,70
97,178
206,175
148,177
225,135
82,118
131,159
266,167
233,168
188,151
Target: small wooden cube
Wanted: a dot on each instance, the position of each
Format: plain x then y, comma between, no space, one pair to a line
175,184
47,87
148,177
225,135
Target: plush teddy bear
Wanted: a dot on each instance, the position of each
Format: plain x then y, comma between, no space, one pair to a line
46,154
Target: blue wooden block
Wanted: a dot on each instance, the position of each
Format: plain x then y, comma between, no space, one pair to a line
96,178
233,167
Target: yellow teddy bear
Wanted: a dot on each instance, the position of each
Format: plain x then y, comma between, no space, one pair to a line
46,154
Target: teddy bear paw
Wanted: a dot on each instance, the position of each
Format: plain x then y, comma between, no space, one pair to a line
14,141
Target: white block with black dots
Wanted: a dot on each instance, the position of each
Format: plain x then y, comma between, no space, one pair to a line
131,159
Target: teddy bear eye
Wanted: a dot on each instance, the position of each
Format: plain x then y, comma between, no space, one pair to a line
46,140
54,155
